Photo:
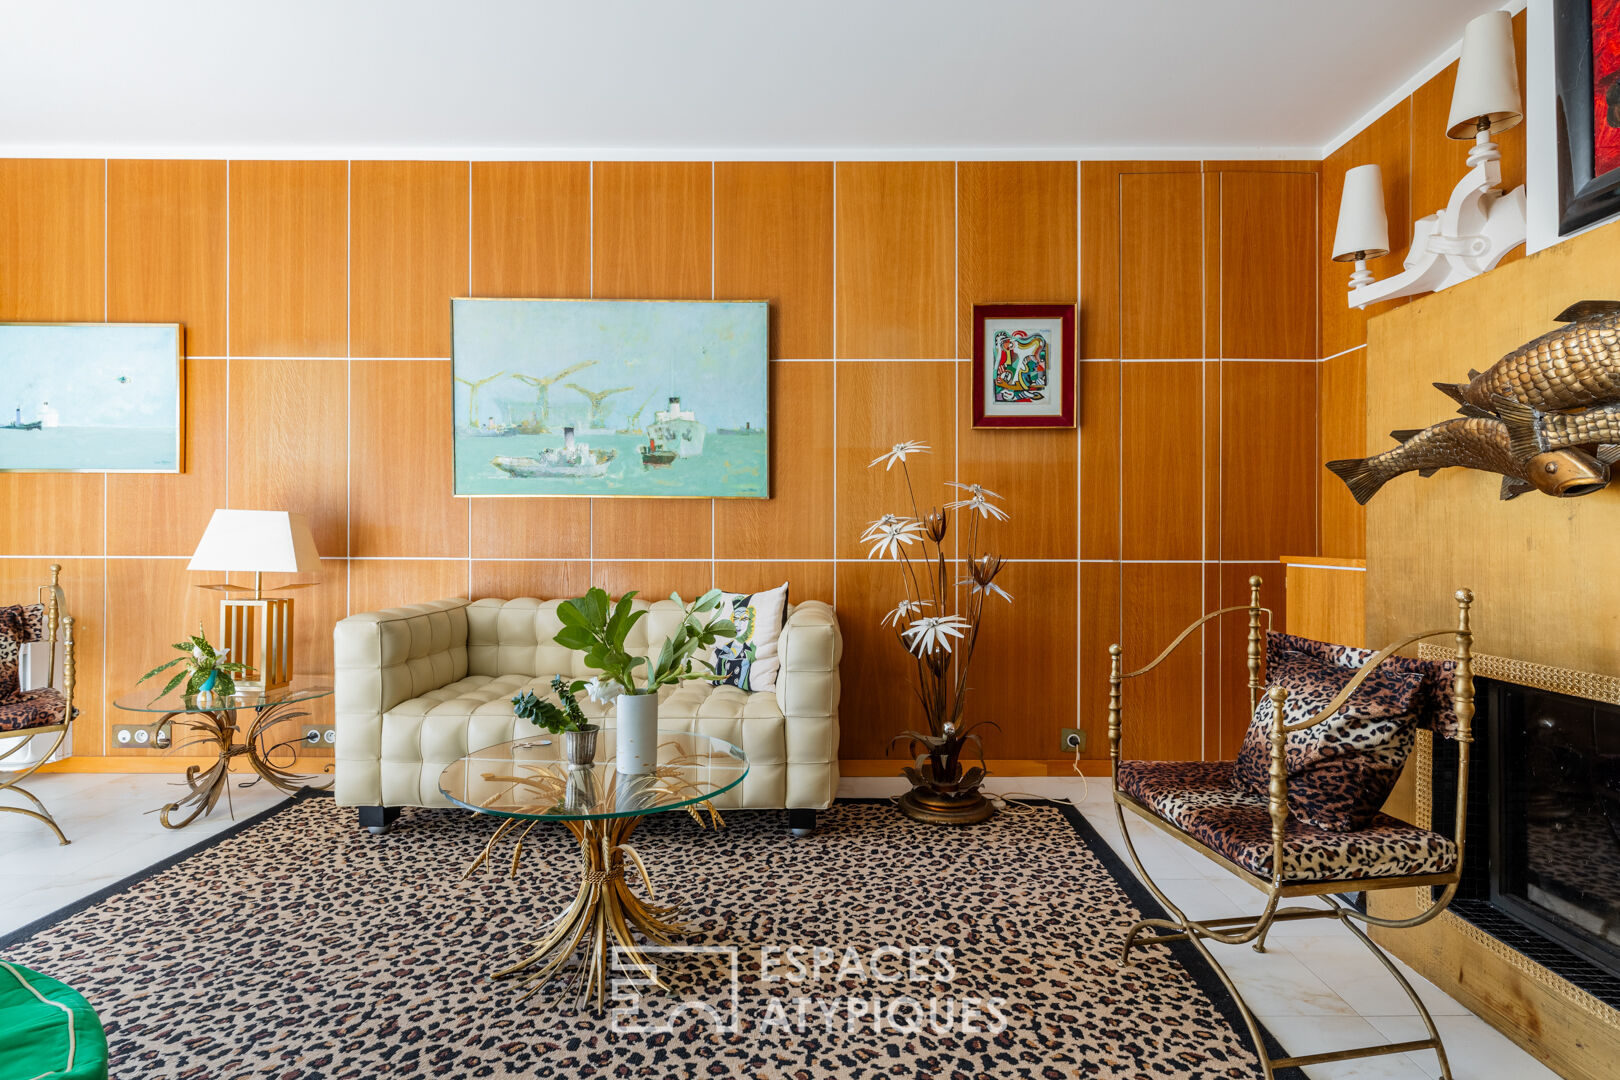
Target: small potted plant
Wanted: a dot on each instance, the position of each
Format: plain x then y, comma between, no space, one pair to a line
598,628
205,672
569,721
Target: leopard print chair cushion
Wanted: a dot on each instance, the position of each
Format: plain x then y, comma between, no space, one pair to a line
18,623
1340,771
1201,799
1435,709
31,709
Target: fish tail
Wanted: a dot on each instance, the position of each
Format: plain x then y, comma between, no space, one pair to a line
1520,420
1453,390
1360,476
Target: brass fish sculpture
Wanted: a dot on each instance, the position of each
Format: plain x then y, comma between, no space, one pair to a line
1572,367
1473,443
1532,432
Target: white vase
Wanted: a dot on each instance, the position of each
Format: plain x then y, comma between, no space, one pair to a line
636,745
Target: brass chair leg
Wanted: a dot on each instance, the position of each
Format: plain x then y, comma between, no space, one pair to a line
1411,993
12,781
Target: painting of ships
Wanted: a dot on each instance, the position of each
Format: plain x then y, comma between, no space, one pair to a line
748,428
654,456
571,459
678,428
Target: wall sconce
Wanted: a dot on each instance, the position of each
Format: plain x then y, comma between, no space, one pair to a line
1481,223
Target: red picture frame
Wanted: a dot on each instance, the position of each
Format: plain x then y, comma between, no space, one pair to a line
1017,382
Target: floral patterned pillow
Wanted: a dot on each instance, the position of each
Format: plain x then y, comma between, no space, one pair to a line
1340,771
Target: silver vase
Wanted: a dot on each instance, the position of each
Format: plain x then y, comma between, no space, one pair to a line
580,746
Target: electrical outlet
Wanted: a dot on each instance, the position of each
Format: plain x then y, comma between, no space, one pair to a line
141,736
319,735
1073,739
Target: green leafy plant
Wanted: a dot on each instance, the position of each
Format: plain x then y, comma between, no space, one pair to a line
203,669
545,715
598,628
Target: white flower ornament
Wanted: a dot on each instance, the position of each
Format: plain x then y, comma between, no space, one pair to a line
904,610
934,633
889,534
897,454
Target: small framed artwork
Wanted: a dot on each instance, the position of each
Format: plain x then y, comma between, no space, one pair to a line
1586,58
92,397
1023,366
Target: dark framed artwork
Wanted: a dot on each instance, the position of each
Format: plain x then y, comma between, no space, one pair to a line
1586,43
1023,366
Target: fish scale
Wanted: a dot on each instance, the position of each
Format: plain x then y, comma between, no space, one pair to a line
1568,368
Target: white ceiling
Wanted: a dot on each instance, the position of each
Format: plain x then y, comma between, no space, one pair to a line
360,78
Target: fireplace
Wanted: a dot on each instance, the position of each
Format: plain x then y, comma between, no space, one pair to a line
1542,873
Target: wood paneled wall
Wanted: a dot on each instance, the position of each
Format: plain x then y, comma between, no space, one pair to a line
1198,424
1420,167
314,295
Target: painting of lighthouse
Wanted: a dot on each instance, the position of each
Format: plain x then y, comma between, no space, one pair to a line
91,397
604,398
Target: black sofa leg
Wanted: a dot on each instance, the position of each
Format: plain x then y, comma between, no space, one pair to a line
802,822
378,818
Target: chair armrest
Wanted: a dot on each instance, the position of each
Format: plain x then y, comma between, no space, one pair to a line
382,658
807,691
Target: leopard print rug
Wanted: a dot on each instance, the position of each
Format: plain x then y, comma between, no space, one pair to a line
298,947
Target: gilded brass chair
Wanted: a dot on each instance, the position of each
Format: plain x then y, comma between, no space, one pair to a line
46,710
1253,836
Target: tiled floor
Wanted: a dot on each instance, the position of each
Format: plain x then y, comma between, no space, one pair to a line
1314,989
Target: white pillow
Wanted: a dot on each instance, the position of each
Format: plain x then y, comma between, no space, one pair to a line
749,660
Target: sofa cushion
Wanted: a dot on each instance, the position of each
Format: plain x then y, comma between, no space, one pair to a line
1200,798
1341,770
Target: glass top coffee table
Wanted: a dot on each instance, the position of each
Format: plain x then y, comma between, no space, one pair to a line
529,781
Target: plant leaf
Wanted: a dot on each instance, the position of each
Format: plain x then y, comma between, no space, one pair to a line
161,667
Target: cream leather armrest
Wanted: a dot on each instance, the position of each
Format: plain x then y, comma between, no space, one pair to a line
384,658
807,691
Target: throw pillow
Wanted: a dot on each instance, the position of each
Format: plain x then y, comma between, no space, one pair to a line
749,660
1435,709
1340,771
16,627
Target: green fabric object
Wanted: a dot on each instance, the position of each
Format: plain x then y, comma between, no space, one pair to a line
47,1031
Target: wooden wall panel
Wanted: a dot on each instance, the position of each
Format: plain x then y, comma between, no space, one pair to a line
152,604
1099,626
531,528
1327,600
1017,234
1099,260
401,467
52,240
52,515
652,528
289,443
896,253
773,240
531,228
1033,471
652,230
1267,238
1163,711
1162,431
1268,450
806,580
1341,416
1039,629
165,514
794,522
408,255
166,247
544,580
653,579
875,661
375,584
289,273
1228,713
869,424
1161,281
1100,463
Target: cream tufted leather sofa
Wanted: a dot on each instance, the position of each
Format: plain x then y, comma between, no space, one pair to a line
419,687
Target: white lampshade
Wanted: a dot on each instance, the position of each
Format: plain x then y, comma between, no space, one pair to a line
1487,78
1363,231
264,541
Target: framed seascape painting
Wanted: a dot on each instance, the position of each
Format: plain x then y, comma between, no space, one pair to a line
1023,365
604,398
92,397
1586,47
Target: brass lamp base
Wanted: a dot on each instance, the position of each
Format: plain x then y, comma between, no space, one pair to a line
934,808
258,632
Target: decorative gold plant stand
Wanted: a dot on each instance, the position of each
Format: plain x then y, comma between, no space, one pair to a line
526,783
216,717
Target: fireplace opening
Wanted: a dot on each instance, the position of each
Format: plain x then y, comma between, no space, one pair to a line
1542,871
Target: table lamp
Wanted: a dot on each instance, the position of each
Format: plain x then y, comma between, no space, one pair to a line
257,630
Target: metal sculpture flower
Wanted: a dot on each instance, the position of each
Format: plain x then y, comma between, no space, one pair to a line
938,625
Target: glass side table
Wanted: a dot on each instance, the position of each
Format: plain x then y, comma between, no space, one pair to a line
529,781
215,717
